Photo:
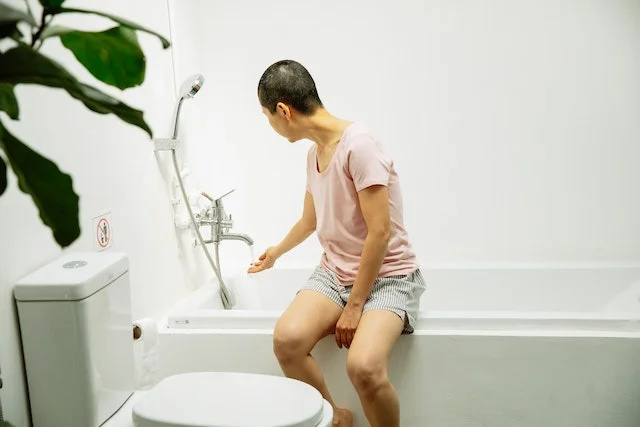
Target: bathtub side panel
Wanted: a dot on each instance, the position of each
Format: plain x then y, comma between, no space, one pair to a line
455,381
241,351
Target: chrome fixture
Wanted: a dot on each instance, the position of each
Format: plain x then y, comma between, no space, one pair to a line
191,86
188,90
215,216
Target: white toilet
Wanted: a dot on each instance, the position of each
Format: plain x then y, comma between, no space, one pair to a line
76,326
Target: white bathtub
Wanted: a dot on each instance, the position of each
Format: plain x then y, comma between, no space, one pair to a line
495,346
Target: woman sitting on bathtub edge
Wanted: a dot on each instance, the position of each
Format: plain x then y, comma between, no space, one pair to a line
367,287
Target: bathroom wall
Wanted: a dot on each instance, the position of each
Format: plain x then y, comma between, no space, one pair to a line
513,125
114,169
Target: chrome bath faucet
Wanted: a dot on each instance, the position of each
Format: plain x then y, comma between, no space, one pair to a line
215,216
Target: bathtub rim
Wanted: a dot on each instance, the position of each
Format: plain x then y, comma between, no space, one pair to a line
515,323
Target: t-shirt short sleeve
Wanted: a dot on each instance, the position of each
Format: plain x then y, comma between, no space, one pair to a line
368,164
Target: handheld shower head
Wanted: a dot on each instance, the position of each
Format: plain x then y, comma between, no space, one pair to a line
191,86
188,89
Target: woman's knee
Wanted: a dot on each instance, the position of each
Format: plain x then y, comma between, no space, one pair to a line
367,374
289,342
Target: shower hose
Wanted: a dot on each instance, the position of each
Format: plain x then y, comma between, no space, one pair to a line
228,300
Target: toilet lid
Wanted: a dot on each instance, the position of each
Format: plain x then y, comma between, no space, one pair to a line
229,399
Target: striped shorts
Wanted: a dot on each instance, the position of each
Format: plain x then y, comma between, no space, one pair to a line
398,294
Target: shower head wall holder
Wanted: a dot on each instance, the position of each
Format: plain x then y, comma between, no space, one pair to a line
165,144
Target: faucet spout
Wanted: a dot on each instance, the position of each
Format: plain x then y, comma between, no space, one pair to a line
237,236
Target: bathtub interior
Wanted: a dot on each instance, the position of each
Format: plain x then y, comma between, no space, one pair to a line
576,290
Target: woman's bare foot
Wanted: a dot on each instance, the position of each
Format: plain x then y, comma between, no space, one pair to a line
342,418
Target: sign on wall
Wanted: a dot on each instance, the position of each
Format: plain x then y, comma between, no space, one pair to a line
102,232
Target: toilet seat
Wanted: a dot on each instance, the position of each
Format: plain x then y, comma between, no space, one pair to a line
231,399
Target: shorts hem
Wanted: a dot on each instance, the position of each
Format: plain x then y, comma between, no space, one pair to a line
326,293
409,326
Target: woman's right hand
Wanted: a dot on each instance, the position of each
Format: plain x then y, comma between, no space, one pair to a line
265,261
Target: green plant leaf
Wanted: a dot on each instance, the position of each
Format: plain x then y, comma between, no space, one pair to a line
51,3
24,65
113,56
121,21
9,14
8,101
50,188
3,176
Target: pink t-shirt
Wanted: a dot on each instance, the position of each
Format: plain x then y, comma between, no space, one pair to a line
358,162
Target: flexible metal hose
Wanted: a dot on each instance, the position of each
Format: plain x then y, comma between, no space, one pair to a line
228,301
216,250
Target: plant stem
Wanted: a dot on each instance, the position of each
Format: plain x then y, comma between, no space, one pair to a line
43,25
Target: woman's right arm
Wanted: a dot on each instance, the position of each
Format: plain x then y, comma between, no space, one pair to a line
301,230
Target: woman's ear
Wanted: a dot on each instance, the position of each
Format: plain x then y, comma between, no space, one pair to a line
283,110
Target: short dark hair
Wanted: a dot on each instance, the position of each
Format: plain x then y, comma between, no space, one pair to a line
289,82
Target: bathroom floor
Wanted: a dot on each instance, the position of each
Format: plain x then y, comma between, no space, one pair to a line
123,418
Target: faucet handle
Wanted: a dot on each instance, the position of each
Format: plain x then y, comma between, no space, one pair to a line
224,195
218,201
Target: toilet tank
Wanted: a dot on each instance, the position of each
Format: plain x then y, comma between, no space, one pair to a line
76,328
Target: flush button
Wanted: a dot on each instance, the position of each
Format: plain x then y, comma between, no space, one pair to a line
75,264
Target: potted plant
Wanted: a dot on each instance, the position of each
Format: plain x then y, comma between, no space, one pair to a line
112,56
